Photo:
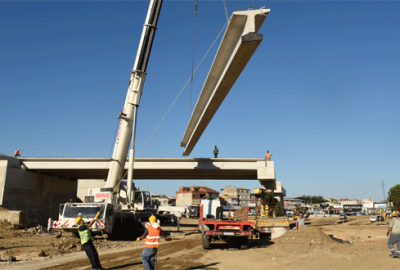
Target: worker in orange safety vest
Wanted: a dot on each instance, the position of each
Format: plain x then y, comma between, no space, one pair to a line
152,234
268,156
16,153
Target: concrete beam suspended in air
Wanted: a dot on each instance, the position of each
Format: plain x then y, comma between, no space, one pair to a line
237,46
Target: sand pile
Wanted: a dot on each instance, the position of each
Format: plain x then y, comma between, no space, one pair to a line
307,239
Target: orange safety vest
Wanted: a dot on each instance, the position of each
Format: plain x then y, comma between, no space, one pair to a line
153,237
268,155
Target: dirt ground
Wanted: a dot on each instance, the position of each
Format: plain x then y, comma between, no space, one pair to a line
322,244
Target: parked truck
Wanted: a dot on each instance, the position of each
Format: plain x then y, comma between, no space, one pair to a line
178,211
120,213
269,227
235,231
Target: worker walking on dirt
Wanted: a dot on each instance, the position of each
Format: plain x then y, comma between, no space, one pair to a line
152,234
16,153
394,231
300,222
215,152
87,241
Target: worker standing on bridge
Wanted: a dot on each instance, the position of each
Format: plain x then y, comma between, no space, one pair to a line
394,231
215,152
16,153
268,156
87,241
152,234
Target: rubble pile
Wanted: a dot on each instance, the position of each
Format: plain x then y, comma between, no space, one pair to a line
34,230
308,239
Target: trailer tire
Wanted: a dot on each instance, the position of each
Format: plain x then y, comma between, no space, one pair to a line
205,242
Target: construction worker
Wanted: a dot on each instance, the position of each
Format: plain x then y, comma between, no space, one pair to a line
394,231
300,222
268,156
87,241
152,234
215,152
16,153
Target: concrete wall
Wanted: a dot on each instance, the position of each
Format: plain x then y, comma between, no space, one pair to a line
14,217
36,194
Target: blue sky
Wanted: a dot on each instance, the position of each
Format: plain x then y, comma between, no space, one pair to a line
321,92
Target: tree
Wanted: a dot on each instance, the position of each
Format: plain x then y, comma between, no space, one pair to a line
394,197
312,199
279,209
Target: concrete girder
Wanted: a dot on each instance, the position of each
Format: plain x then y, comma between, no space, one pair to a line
237,46
159,168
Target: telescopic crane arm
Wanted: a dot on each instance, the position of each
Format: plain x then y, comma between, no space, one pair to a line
128,116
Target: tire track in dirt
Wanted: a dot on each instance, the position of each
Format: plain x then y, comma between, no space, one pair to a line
179,254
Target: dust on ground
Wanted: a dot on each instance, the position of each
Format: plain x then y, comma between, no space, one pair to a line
324,243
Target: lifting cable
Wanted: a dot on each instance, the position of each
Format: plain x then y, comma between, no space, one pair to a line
226,11
183,87
194,46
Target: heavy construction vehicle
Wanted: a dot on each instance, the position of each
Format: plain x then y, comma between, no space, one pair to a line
213,226
266,224
120,210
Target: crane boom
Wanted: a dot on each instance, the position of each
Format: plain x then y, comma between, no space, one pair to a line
128,115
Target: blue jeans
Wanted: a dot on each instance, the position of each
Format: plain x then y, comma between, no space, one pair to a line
148,257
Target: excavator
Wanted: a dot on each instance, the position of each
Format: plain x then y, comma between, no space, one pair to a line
122,207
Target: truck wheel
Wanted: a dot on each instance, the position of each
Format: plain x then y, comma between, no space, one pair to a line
205,242
243,243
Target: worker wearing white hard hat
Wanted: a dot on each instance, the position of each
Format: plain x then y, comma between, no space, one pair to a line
394,231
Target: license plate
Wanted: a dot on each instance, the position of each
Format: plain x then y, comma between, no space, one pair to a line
229,233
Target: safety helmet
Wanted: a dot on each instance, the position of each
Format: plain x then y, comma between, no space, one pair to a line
152,219
394,213
77,220
18,149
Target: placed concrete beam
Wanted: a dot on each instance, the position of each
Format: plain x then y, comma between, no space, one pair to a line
237,46
157,168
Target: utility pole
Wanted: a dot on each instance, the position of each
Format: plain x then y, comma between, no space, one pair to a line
383,188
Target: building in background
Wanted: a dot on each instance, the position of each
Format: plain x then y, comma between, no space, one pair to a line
194,194
236,195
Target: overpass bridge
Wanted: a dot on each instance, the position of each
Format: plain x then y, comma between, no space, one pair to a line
158,168
39,185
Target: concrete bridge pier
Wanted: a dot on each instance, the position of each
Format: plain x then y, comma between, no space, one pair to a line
266,174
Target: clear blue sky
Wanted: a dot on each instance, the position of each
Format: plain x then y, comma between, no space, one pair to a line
321,92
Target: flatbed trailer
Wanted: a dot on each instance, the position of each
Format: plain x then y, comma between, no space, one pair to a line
269,227
235,231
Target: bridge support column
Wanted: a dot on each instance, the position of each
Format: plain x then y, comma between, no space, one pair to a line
266,175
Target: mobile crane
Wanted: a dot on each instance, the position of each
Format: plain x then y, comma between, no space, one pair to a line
119,210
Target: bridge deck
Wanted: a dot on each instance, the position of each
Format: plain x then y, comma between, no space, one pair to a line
157,168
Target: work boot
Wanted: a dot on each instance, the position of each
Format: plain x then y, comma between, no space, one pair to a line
393,255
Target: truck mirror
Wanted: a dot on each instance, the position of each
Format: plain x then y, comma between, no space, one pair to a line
61,209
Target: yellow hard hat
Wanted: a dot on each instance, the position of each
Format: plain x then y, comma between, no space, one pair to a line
18,149
394,213
152,219
77,220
